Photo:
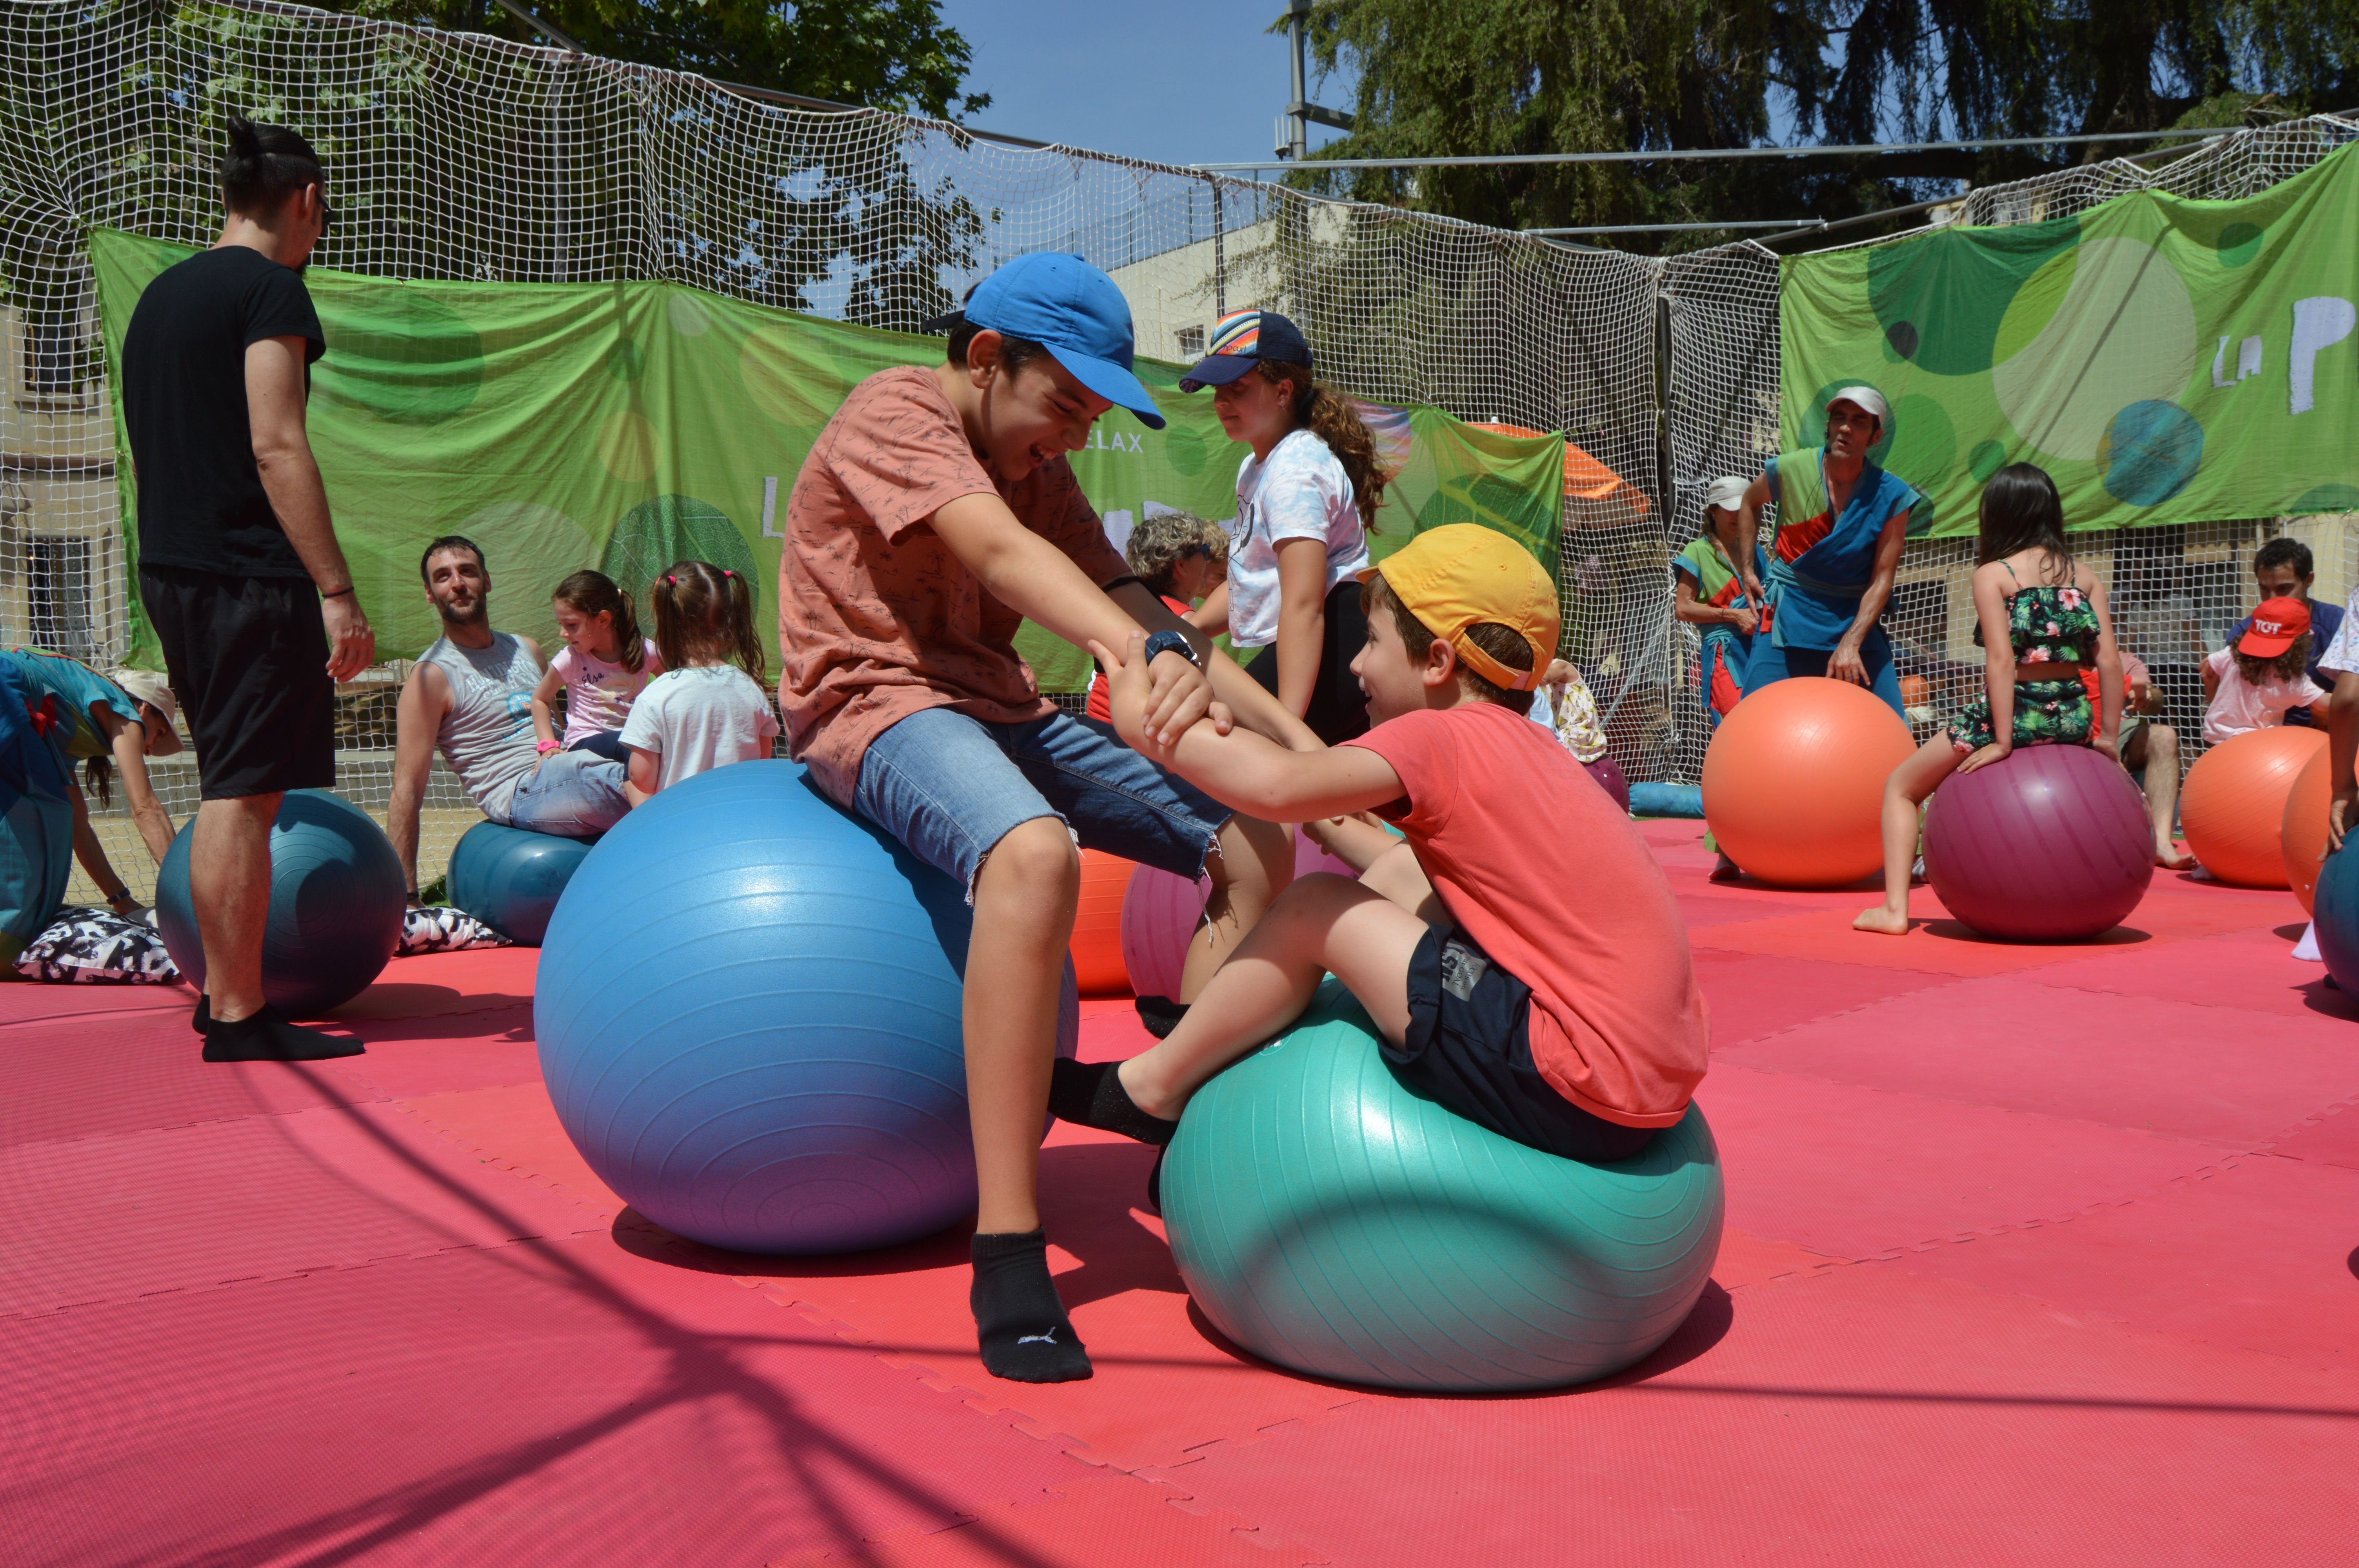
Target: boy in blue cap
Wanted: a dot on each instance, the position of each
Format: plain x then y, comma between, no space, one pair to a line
935,512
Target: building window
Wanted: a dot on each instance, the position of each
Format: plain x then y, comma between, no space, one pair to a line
58,584
1192,343
55,362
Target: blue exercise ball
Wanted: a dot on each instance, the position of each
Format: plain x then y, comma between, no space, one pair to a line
336,901
510,879
1329,1219
2334,916
748,1011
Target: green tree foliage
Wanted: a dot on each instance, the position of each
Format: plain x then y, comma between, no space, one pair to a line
1492,77
881,54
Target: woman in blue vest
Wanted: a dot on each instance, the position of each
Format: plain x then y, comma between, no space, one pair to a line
1842,522
111,726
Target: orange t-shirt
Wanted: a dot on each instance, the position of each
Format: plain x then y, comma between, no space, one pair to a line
878,619
1535,862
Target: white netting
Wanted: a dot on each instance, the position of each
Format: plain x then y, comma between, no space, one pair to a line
2176,590
458,156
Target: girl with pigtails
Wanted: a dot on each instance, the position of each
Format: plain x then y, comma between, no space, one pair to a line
1305,495
708,708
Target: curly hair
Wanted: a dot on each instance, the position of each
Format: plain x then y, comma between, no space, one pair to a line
1160,543
2287,666
1329,415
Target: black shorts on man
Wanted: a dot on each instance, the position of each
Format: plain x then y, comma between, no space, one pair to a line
248,659
1469,1049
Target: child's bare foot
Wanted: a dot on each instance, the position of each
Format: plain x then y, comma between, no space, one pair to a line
1882,920
1727,870
2171,857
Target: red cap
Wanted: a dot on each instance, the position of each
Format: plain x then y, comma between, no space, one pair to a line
2276,625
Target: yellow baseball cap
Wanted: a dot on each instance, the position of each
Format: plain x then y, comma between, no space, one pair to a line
1455,577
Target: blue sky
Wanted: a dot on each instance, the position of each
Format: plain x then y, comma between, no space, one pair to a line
1196,81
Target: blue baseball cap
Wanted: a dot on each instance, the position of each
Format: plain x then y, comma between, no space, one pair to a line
1074,311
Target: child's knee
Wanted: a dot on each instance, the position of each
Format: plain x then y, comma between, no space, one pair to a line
1034,860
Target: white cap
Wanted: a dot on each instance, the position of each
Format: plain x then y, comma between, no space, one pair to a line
148,686
1867,398
1726,491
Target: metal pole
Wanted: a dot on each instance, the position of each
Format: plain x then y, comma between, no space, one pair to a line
1220,259
1299,138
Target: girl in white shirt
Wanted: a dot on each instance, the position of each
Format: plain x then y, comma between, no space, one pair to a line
1304,499
2251,686
709,708
602,669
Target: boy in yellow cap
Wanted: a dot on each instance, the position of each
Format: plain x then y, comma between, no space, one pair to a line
1520,952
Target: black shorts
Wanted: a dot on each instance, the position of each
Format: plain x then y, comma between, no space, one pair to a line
248,659
1470,1050
1339,711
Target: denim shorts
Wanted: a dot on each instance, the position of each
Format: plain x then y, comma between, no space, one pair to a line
948,786
1469,1049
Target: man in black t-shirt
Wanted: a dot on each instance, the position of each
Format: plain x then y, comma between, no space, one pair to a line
239,569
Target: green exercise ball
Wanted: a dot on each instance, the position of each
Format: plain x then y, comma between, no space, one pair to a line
1329,1219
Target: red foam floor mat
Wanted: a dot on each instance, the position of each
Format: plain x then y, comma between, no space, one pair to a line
1753,995
547,1403
2253,969
1866,1172
1863,1416
2211,1073
2258,1256
266,1197
475,980
1941,945
2330,1138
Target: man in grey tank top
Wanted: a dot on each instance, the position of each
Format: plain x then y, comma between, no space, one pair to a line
470,696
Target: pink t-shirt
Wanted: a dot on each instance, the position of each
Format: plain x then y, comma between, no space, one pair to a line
598,694
878,619
1535,862
2238,704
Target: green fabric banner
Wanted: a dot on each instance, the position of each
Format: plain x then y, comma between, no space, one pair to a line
2164,359
624,426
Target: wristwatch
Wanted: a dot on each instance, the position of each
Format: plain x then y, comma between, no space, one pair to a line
1172,642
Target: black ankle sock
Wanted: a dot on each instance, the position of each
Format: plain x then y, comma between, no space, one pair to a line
1090,1094
265,1036
1160,1015
202,1018
1018,1320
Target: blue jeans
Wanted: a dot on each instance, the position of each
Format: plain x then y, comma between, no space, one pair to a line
949,787
573,794
1771,664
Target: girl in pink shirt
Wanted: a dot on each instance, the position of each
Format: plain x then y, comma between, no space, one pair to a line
602,669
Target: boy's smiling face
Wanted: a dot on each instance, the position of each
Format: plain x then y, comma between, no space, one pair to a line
1027,416
1392,680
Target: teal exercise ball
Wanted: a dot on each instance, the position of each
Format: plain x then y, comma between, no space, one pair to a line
510,879
1327,1218
336,901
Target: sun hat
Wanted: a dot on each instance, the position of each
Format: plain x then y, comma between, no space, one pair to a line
148,686
1728,493
2277,624
1074,311
1242,340
1454,576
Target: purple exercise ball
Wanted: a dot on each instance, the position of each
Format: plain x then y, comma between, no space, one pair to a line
2051,845
1609,776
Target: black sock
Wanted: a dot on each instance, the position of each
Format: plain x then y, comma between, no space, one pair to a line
1018,1320
265,1036
1090,1094
202,1018
1160,1015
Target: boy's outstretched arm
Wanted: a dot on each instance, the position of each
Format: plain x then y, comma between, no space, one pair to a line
1255,708
1242,769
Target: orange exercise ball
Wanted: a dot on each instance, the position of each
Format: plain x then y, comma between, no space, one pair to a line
2232,812
1097,925
1793,783
2302,835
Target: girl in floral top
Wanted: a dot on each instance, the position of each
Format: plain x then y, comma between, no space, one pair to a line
2042,621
